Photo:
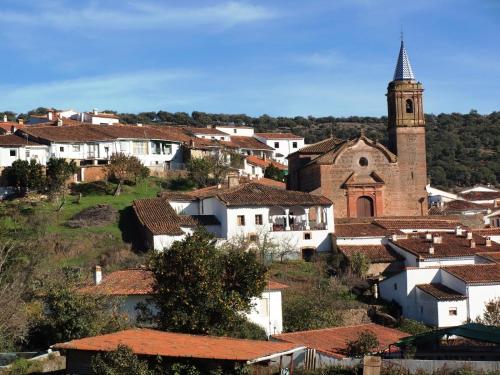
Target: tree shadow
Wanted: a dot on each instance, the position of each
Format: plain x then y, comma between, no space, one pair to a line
131,230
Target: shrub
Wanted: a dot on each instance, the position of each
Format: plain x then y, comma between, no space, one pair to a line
365,343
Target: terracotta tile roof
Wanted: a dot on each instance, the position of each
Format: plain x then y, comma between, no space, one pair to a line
274,285
481,195
476,273
430,223
13,140
233,126
458,206
362,230
333,341
278,136
103,115
321,147
124,283
270,182
178,345
205,131
157,215
85,133
494,256
451,246
485,232
441,292
264,163
376,253
7,126
248,143
255,194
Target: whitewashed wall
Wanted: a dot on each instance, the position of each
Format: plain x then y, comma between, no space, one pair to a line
267,312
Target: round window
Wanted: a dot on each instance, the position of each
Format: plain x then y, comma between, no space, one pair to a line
363,162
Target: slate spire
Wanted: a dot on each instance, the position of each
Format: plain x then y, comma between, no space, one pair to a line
403,67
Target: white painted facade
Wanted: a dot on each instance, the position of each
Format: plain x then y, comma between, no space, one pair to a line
10,154
243,131
267,312
251,170
436,196
94,118
282,147
479,188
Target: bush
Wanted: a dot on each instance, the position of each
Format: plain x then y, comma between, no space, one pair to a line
180,184
360,264
412,327
366,343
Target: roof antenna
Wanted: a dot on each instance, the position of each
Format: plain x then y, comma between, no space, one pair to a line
402,35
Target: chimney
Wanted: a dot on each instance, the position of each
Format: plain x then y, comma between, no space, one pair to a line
59,122
488,241
458,231
431,249
4,118
469,235
191,142
95,111
139,124
472,244
233,181
437,239
97,275
375,291
428,236
13,129
50,115
20,121
394,237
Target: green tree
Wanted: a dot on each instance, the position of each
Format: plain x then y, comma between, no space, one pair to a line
68,313
199,171
119,362
491,314
365,343
200,289
58,172
274,173
360,264
25,175
126,168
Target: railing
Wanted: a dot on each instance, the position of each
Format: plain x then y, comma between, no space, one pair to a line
299,227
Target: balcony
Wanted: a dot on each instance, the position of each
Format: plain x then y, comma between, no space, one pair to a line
297,218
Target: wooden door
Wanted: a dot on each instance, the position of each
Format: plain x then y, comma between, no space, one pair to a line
364,207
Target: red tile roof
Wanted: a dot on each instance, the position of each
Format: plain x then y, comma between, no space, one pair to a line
494,256
103,115
451,246
278,136
333,341
441,292
124,283
485,232
247,143
375,253
476,273
157,215
178,345
321,147
362,230
13,140
429,223
264,163
481,195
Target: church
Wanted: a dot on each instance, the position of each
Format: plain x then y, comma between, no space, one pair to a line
363,177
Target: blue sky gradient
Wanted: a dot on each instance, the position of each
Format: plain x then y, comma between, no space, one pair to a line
282,57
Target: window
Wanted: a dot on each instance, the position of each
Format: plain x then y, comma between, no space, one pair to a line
75,148
307,236
123,146
363,162
264,306
13,153
140,148
156,148
421,310
240,219
409,106
167,149
452,311
276,145
106,150
235,131
395,286
61,149
221,138
258,220
27,154
253,170
294,144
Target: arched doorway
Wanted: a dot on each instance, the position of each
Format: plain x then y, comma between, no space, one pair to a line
364,207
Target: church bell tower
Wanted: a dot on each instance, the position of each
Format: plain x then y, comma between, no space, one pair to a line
406,127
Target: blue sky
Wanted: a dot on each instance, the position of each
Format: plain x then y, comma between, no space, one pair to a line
283,57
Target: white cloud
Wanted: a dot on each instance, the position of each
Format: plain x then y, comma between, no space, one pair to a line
144,15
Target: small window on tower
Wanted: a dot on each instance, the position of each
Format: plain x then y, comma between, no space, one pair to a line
409,106
363,162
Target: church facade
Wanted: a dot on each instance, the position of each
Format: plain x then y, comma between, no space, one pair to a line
363,177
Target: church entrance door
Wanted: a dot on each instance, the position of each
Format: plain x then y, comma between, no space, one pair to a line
364,207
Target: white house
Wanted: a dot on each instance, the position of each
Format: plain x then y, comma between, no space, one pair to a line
302,221
245,131
437,196
97,118
136,286
14,147
282,143
253,166
448,279
208,133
